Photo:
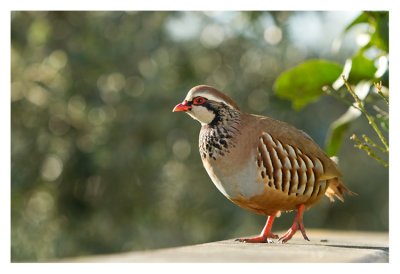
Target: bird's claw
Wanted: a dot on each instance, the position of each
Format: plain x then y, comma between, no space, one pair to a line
288,235
259,239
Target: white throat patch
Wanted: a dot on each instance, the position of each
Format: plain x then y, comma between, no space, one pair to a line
201,114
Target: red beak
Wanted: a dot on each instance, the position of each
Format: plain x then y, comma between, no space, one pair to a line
182,107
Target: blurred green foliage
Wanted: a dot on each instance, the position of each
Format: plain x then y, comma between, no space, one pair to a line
308,81
304,83
100,164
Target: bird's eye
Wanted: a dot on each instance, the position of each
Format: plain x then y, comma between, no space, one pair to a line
199,101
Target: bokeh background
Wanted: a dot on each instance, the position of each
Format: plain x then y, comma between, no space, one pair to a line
100,164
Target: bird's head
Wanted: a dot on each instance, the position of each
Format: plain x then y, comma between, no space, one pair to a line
206,104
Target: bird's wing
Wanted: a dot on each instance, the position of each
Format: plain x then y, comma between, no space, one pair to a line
289,135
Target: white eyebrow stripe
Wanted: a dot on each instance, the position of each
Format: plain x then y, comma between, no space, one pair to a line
208,96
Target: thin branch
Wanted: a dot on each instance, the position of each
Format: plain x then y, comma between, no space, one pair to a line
367,149
369,117
379,88
330,91
369,141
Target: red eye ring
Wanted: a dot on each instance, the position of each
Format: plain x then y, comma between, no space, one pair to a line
199,100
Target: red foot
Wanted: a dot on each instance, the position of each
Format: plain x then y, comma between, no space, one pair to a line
260,239
297,224
266,235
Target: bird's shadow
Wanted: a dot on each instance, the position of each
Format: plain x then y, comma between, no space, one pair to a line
382,248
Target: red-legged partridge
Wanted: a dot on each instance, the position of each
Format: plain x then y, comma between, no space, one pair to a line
259,163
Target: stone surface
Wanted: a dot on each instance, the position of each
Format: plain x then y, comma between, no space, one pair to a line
324,246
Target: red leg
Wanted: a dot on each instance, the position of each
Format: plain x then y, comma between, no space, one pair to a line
265,236
297,224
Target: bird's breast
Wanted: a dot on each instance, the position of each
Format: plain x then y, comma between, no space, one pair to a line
244,182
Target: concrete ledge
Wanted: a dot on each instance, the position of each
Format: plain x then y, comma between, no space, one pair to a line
325,246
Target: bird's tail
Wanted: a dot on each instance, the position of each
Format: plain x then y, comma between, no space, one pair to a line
338,189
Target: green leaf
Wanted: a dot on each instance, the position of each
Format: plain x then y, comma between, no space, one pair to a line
362,68
380,38
303,83
338,130
379,28
362,18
